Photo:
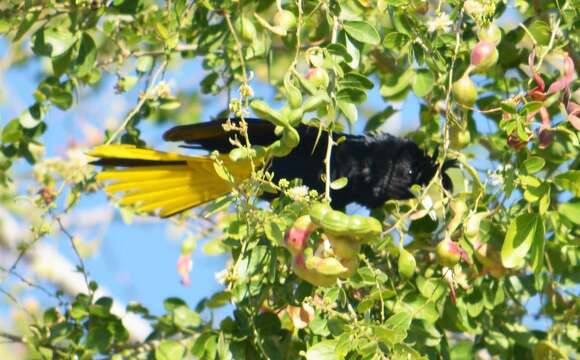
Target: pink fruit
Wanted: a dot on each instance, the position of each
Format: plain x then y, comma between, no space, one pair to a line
296,238
483,56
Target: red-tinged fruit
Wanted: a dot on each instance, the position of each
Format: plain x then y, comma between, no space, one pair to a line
318,77
483,56
464,91
297,236
450,253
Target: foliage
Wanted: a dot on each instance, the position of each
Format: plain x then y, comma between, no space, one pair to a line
509,231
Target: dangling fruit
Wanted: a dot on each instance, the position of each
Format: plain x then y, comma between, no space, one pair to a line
318,77
449,253
311,276
492,34
344,248
407,263
459,137
464,91
247,29
285,20
297,236
483,56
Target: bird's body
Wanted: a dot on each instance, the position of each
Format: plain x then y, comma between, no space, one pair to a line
378,167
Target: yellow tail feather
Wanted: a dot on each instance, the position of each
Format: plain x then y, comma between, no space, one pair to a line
169,183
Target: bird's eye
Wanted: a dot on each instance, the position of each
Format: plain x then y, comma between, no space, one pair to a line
410,172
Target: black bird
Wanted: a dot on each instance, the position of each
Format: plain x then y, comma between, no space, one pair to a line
378,167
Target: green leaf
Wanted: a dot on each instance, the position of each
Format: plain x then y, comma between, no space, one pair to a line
338,49
538,244
396,41
423,83
570,181
274,231
571,210
144,64
100,338
354,79
324,350
362,32
12,132
339,183
379,119
400,321
52,42
32,117
518,240
87,55
541,32
534,164
397,84
169,350
184,317
351,95
531,107
349,110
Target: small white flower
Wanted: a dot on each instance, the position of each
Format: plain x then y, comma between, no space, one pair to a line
298,193
221,276
440,23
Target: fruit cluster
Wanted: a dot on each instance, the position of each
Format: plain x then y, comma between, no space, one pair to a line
484,56
334,253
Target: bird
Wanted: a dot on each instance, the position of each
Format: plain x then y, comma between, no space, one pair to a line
378,167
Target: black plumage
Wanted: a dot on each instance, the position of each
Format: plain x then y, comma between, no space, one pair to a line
379,167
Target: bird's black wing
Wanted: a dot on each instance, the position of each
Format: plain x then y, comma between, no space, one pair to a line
211,135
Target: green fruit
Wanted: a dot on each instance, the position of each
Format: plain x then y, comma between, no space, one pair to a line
344,248
449,253
361,227
335,223
314,102
407,263
492,34
351,265
247,29
285,20
464,91
318,211
262,109
290,138
459,137
311,276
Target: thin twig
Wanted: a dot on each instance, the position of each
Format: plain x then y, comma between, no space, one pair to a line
81,264
144,97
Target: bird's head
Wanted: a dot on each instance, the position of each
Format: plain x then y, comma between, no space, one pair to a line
413,166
